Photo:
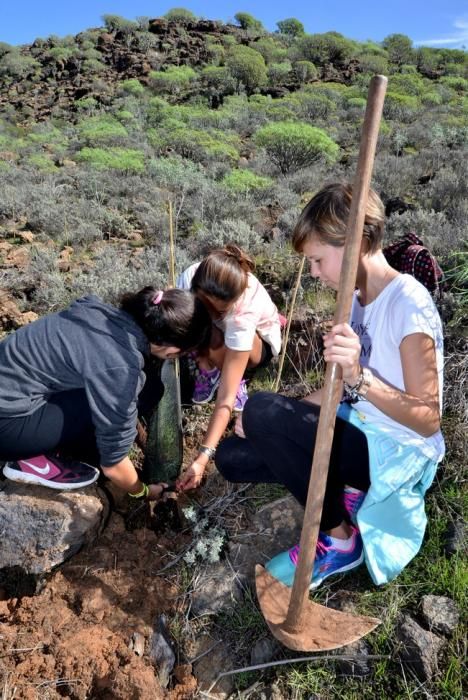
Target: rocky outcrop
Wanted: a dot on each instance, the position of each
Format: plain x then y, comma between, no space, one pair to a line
60,83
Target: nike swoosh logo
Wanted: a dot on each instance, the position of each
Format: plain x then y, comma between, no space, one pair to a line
40,470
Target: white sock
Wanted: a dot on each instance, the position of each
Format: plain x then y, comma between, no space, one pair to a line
351,489
346,545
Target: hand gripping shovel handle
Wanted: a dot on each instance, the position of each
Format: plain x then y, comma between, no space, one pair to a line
333,384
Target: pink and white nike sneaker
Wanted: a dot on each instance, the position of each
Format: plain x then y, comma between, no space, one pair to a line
49,471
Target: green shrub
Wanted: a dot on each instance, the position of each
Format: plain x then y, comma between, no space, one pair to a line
196,144
42,163
132,86
61,54
91,65
428,61
455,83
314,105
279,73
218,80
5,48
357,102
407,84
102,130
16,66
295,145
174,172
290,27
216,52
175,80
305,71
248,22
431,99
400,107
46,134
124,115
399,48
247,66
86,104
244,181
115,23
373,63
158,109
125,159
271,50
180,14
330,47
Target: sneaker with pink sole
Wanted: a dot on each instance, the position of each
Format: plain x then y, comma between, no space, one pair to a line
51,472
330,559
206,383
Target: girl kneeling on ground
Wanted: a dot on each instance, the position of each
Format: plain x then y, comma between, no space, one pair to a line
72,383
246,334
387,441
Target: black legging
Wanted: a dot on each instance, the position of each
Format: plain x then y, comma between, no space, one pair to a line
65,423
280,438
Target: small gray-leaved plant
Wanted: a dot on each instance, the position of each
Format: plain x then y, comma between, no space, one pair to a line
207,541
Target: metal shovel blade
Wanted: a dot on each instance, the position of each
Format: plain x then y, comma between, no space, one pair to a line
321,628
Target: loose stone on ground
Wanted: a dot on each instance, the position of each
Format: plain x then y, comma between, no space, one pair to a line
42,528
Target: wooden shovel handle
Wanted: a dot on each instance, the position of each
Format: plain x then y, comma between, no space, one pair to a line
333,384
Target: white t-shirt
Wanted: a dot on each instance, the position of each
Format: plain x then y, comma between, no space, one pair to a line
254,312
402,308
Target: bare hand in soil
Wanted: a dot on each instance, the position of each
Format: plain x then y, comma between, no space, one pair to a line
155,491
192,477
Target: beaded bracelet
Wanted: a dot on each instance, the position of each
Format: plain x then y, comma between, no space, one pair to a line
141,494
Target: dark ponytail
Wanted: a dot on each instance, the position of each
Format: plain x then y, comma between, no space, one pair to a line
223,274
172,317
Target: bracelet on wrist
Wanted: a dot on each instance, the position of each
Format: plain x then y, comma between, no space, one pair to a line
141,494
367,378
209,451
361,387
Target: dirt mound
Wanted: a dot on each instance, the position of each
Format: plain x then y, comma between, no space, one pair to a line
72,639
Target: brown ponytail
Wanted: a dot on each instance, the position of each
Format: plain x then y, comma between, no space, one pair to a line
223,274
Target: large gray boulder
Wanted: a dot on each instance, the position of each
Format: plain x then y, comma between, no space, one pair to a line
41,528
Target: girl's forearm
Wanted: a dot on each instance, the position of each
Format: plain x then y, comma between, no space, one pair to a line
413,412
124,475
218,424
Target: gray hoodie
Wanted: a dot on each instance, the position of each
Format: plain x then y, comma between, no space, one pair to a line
92,346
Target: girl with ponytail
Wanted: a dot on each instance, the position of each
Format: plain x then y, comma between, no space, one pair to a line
73,383
246,333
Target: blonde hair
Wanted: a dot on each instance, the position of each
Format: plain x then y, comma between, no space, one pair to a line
223,274
326,217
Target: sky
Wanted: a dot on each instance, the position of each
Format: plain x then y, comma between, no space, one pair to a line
437,23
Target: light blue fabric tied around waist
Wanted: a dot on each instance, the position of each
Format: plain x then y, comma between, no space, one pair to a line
392,519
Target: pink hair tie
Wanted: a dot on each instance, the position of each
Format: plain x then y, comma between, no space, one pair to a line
157,297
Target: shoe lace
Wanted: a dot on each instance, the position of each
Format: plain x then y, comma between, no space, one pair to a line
350,500
204,378
320,550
